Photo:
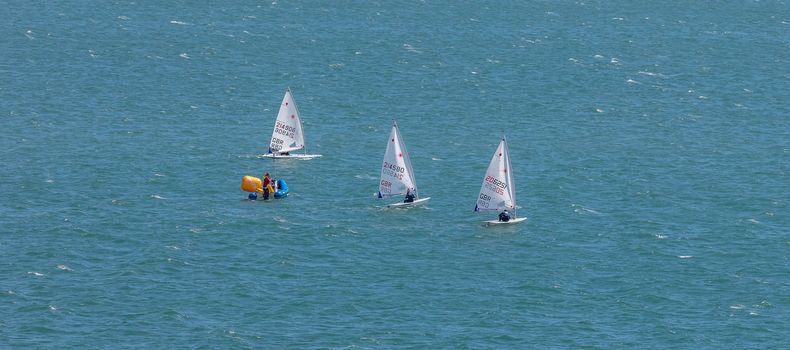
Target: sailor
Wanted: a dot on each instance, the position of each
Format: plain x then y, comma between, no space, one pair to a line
409,196
504,216
266,180
268,183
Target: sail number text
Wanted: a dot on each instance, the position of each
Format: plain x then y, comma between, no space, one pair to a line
483,201
284,129
495,185
386,187
393,170
277,144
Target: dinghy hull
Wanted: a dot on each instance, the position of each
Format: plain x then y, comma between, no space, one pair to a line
291,156
409,204
511,221
282,189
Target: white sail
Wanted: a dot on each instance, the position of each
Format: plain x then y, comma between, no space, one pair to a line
287,135
498,191
396,172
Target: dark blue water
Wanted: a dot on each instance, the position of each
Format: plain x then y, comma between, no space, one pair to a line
649,144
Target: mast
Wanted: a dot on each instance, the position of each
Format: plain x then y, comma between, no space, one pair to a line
511,184
407,160
301,124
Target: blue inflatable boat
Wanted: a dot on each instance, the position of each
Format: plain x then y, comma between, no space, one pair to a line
282,189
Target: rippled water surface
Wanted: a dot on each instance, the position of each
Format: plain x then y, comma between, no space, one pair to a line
649,144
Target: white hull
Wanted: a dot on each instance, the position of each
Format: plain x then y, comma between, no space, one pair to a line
512,221
409,204
291,156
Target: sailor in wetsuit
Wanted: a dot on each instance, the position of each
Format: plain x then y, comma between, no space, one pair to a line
409,196
504,216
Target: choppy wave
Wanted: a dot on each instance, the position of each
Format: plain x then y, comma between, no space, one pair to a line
650,155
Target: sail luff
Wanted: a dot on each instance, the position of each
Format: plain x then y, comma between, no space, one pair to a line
511,185
298,130
300,123
407,161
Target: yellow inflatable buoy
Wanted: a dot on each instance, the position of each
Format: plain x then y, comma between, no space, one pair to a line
251,184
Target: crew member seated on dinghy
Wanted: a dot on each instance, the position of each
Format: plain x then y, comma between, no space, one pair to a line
409,196
504,216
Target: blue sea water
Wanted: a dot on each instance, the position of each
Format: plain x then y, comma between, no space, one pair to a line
649,143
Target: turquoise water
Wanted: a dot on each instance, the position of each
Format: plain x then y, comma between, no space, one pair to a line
649,144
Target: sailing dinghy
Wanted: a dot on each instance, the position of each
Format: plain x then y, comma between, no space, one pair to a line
498,191
288,133
397,175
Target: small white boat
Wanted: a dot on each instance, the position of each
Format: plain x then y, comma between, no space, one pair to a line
397,175
498,191
288,133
